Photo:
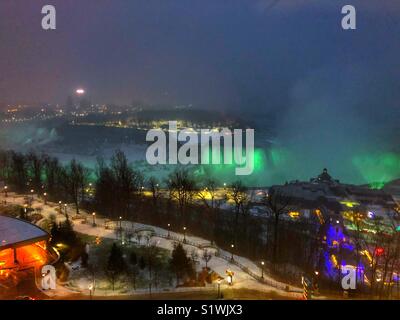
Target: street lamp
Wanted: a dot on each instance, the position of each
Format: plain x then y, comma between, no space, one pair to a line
120,223
60,205
169,227
5,194
232,247
90,287
94,218
45,197
230,274
184,234
65,208
262,269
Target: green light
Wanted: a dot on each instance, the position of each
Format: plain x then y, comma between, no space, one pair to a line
377,185
378,169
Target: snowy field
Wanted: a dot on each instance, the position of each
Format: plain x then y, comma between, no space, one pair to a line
217,264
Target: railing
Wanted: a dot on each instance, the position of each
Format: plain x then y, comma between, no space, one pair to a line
257,277
112,225
218,254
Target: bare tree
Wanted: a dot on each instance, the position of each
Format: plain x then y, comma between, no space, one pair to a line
154,186
209,197
76,176
127,181
277,204
5,165
53,173
238,194
35,170
19,175
182,189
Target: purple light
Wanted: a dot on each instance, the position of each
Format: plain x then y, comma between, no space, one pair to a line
371,215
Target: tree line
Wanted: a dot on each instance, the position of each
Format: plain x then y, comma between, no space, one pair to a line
182,200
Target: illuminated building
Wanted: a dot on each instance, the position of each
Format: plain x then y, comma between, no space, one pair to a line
23,246
331,197
340,210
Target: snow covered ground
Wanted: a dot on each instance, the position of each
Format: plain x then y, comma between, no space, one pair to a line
241,279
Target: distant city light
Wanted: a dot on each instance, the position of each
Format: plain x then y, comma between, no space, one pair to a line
80,91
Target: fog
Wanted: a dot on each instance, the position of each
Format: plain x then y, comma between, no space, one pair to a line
328,97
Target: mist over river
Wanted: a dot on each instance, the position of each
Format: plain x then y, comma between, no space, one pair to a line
278,157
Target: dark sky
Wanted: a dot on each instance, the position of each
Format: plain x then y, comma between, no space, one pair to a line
334,94
212,53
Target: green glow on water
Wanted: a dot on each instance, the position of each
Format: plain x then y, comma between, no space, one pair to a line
269,166
377,185
226,172
378,169
278,164
259,160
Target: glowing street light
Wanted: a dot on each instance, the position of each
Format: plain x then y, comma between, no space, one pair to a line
65,208
262,269
120,223
184,234
90,287
45,197
5,194
94,218
169,227
232,247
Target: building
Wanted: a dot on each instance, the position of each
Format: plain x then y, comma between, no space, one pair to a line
333,198
23,246
338,208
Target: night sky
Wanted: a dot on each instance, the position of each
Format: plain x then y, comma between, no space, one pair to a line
333,95
225,54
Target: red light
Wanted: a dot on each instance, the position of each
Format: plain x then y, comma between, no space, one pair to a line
379,251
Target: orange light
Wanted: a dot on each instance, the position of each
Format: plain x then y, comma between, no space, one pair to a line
294,214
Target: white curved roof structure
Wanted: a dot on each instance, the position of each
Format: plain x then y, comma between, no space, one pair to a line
16,233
